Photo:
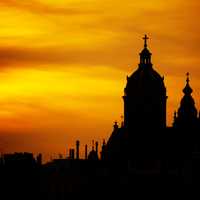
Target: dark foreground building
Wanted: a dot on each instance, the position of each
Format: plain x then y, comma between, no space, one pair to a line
142,153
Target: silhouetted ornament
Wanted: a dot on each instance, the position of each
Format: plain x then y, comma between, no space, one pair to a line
115,126
187,100
187,90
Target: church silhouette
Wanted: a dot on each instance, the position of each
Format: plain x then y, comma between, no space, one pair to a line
142,152
144,133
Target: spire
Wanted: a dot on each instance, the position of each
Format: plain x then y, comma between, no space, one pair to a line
187,112
187,90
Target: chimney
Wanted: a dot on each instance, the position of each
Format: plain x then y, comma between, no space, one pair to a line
86,156
77,149
71,154
96,144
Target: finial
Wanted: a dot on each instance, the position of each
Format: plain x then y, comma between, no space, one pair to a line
187,90
145,38
115,125
188,79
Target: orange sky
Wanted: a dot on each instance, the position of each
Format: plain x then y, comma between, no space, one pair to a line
64,65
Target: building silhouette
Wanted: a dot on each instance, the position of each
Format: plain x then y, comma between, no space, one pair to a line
143,134
141,152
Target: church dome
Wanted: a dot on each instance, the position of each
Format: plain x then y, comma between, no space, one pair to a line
145,95
144,80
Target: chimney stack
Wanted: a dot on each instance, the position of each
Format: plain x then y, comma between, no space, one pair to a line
96,144
77,149
86,154
71,154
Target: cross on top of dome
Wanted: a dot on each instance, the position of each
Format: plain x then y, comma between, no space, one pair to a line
145,55
145,38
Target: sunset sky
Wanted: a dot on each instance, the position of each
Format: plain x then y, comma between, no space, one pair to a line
63,65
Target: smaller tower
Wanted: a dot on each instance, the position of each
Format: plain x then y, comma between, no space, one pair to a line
187,113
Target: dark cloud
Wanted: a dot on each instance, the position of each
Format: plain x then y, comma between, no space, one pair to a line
37,7
116,56
20,56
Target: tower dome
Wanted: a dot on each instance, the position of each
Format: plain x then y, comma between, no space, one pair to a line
145,95
145,76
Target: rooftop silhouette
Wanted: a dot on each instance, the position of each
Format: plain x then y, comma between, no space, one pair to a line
142,152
